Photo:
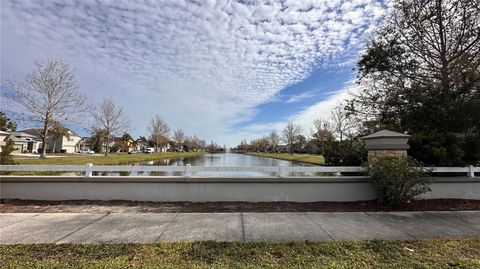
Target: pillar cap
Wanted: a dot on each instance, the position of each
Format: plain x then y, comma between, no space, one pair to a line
386,133
386,140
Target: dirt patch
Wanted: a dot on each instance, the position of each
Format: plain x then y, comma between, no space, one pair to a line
117,206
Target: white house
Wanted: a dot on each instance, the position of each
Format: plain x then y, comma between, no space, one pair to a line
68,143
25,143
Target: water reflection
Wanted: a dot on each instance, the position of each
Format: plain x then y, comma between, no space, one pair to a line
219,159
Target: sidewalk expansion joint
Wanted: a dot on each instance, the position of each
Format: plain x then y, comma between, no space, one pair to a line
20,221
388,224
319,226
243,226
86,225
166,227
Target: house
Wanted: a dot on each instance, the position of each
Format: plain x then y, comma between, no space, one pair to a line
126,145
84,144
3,139
65,143
140,145
25,143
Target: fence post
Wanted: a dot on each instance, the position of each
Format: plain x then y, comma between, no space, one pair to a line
88,169
281,170
471,172
187,169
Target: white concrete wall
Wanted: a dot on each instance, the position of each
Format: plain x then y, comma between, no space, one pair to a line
214,189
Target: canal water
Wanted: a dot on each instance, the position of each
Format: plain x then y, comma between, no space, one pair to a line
217,159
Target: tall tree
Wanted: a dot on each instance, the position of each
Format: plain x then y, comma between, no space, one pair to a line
290,135
159,132
343,124
109,121
421,72
179,138
48,94
273,139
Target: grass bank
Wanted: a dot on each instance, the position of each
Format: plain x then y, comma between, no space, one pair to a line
463,253
113,159
304,158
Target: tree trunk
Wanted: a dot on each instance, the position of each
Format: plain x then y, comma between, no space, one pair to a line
43,155
107,148
54,144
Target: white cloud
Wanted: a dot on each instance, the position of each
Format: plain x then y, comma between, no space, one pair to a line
202,66
321,110
300,97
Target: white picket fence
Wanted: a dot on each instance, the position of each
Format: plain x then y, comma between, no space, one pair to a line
189,170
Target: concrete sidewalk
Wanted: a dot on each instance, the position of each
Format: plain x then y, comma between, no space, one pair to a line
153,227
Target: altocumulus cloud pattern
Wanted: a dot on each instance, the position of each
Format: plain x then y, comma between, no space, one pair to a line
229,56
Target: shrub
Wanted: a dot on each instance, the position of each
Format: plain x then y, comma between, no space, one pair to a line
6,154
349,152
397,180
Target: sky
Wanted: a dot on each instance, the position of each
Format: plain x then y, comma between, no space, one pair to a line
223,70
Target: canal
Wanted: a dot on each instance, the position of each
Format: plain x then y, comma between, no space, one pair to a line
217,159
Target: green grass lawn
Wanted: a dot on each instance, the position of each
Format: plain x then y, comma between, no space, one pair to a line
113,159
304,158
357,254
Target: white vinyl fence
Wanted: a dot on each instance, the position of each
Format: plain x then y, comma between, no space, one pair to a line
267,184
189,170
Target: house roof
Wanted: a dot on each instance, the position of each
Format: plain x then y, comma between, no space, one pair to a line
38,131
32,131
23,137
385,133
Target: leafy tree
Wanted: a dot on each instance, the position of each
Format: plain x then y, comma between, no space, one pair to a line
422,69
421,74
6,123
299,144
438,149
124,141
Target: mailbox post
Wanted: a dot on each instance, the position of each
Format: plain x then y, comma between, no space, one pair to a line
386,143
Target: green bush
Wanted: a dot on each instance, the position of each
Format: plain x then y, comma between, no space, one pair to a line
6,154
349,152
397,180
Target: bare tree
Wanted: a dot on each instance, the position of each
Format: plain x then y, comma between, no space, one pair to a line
342,125
273,140
179,138
159,131
290,134
322,133
49,94
110,121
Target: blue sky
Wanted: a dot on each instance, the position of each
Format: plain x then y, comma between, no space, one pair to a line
223,70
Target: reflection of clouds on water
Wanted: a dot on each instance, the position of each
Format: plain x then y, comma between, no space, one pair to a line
221,159
215,160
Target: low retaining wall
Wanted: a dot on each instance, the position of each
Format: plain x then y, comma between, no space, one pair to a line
196,189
